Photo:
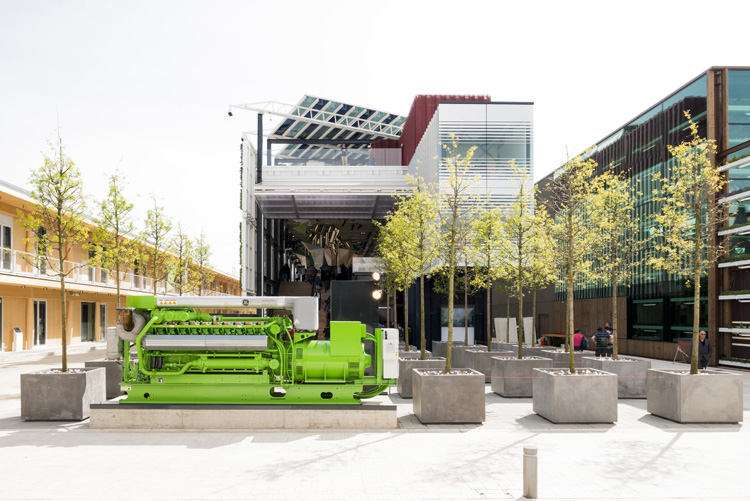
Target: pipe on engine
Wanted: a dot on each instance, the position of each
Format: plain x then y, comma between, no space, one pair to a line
139,321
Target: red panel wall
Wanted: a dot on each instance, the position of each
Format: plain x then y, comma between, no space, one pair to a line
422,110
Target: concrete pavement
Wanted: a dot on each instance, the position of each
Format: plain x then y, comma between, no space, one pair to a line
639,457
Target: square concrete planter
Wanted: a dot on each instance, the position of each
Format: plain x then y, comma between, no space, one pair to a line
62,396
406,375
631,374
707,397
414,354
562,397
513,377
439,347
113,371
480,360
561,359
457,397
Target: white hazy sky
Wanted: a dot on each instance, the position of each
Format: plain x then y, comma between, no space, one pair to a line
145,85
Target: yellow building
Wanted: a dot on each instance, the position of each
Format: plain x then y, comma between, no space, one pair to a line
30,304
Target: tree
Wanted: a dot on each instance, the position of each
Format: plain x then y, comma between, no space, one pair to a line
571,200
114,248
457,205
617,225
526,238
488,248
201,275
182,247
689,217
156,232
398,265
542,269
417,239
56,222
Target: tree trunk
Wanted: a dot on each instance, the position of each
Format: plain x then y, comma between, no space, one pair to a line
388,309
614,314
466,305
569,295
507,320
451,289
520,313
64,312
406,317
533,317
489,316
697,239
421,316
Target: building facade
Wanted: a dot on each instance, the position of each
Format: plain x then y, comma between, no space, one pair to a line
657,306
30,303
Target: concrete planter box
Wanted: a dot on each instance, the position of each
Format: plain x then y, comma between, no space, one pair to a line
631,374
561,359
62,396
414,354
448,398
575,398
513,377
406,375
439,347
708,397
480,360
113,371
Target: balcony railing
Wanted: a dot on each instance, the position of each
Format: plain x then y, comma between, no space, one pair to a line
25,264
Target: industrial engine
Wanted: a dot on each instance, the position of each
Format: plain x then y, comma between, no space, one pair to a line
174,353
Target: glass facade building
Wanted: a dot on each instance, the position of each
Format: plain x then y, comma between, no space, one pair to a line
659,305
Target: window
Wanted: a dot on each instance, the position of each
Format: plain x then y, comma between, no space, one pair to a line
6,247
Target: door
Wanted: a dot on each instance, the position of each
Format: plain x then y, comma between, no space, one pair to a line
88,310
102,322
40,322
542,324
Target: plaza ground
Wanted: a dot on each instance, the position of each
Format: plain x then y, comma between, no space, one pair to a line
639,457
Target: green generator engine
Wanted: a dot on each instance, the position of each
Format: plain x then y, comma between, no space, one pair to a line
186,356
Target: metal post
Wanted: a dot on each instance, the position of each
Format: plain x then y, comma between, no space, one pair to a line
260,149
529,472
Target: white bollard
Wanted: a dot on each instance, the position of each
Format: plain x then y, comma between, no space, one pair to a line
529,472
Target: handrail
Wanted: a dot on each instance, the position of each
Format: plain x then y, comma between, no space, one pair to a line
26,264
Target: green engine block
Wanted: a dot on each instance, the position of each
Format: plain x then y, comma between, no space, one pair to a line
187,356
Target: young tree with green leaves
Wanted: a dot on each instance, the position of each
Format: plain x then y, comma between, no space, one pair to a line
526,236
418,239
201,274
572,194
689,216
182,247
56,222
156,233
394,238
617,225
542,272
488,244
458,204
114,249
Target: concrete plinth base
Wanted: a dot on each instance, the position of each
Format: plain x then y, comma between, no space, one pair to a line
439,348
707,397
242,417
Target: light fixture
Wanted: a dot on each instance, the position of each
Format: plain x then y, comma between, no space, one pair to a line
377,294
375,276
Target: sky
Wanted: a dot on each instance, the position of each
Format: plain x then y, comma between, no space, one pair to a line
143,87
